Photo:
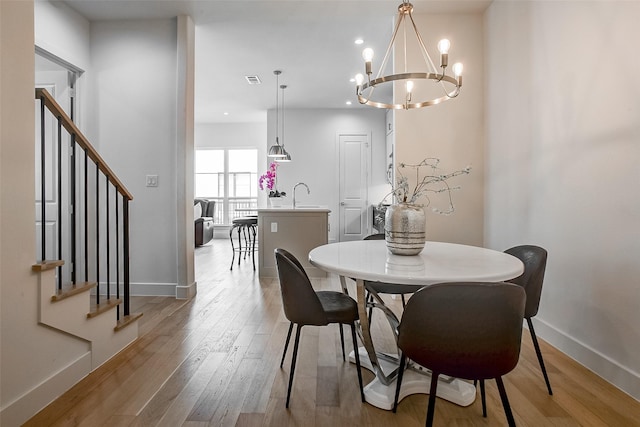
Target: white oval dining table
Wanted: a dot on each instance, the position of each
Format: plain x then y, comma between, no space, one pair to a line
370,261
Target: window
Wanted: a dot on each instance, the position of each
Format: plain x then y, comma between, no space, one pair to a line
229,176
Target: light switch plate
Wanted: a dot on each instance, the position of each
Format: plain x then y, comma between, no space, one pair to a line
152,180
274,227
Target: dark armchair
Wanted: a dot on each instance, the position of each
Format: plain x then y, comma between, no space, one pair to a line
204,222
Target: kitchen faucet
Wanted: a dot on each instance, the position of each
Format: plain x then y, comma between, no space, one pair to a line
294,192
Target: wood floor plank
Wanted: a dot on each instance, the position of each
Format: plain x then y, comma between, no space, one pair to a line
214,360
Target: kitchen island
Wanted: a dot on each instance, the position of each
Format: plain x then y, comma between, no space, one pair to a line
296,230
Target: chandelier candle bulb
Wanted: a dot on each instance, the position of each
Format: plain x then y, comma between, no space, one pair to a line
367,55
457,71
409,86
444,45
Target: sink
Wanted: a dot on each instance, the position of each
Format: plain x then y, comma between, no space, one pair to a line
298,206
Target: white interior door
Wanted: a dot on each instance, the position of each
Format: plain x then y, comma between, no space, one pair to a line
354,152
55,81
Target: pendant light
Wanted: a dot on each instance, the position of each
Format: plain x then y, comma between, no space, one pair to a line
276,151
287,156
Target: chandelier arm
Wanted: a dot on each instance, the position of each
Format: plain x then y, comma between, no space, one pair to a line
423,49
426,57
390,46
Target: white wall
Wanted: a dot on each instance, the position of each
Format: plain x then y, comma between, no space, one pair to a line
134,124
452,131
311,139
62,32
563,153
37,363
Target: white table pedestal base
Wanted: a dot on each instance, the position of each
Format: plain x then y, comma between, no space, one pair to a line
381,396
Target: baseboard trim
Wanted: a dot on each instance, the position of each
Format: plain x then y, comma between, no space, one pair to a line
186,292
620,376
153,289
25,407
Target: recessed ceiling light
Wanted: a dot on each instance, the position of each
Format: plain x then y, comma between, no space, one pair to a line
348,102
225,113
359,41
352,80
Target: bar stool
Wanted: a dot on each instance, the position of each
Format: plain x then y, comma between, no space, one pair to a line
246,230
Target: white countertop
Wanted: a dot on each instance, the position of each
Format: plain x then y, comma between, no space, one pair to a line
301,209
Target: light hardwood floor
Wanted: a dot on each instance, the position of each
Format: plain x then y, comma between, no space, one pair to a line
214,361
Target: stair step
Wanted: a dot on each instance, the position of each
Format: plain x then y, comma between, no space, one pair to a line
105,305
127,320
47,265
70,290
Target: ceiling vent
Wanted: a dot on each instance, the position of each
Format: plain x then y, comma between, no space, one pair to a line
253,80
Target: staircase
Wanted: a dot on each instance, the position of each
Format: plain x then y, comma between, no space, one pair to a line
91,241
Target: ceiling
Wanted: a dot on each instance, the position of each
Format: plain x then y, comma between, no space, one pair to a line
311,41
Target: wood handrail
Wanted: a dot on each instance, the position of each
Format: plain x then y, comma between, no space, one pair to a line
57,111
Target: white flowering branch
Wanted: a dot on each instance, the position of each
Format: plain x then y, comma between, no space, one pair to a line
432,182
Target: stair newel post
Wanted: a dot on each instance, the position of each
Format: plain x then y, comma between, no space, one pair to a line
97,233
125,249
59,173
43,195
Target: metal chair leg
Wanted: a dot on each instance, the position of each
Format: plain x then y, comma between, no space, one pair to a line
483,397
432,399
505,402
342,340
286,344
293,362
233,249
357,355
399,382
539,354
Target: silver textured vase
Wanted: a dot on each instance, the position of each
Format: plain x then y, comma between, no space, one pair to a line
405,229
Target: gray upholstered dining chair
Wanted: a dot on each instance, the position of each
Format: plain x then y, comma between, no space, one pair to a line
534,259
468,330
304,306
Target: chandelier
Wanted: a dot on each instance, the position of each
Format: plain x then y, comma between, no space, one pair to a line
450,84
277,151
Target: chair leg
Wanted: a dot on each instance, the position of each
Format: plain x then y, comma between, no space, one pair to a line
253,249
342,340
505,402
403,301
293,362
239,244
370,302
233,249
286,344
539,354
483,397
357,355
399,381
432,399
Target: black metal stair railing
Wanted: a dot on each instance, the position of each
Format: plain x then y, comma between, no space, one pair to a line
97,221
